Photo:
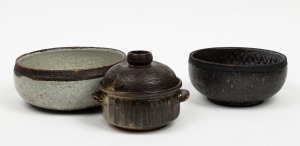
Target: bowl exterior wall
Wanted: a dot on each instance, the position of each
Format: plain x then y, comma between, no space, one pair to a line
57,95
237,87
141,114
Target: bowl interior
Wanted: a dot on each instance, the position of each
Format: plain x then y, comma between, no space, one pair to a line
238,56
71,58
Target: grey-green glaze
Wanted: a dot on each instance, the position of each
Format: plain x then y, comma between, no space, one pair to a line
57,95
39,87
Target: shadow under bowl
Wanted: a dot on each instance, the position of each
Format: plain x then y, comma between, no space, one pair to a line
237,76
63,78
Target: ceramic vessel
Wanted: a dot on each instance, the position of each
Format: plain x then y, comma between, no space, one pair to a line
237,76
140,94
63,78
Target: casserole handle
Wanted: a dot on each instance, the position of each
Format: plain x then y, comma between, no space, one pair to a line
183,95
99,96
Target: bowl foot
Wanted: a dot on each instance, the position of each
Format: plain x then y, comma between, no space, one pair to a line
140,129
235,104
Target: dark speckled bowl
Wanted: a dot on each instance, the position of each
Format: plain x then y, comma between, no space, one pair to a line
236,76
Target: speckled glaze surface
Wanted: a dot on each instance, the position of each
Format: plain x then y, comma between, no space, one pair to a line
235,76
57,95
63,78
140,94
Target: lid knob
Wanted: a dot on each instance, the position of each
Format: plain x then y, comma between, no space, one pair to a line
139,58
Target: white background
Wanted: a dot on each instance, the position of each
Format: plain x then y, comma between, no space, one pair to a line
170,29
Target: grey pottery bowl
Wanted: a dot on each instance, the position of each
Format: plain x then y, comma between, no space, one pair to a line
237,76
63,78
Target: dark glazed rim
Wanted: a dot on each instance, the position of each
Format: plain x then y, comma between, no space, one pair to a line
63,75
238,68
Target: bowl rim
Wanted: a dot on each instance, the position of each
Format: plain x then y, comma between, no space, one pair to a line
64,75
238,68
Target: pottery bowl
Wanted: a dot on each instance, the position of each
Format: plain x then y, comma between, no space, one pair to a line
140,94
237,76
63,78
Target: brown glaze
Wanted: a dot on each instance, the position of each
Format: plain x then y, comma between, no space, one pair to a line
140,94
139,58
141,114
139,74
61,75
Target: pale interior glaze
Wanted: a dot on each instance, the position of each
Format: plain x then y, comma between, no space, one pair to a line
71,59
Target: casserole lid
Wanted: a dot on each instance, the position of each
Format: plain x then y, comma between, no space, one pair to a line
139,74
